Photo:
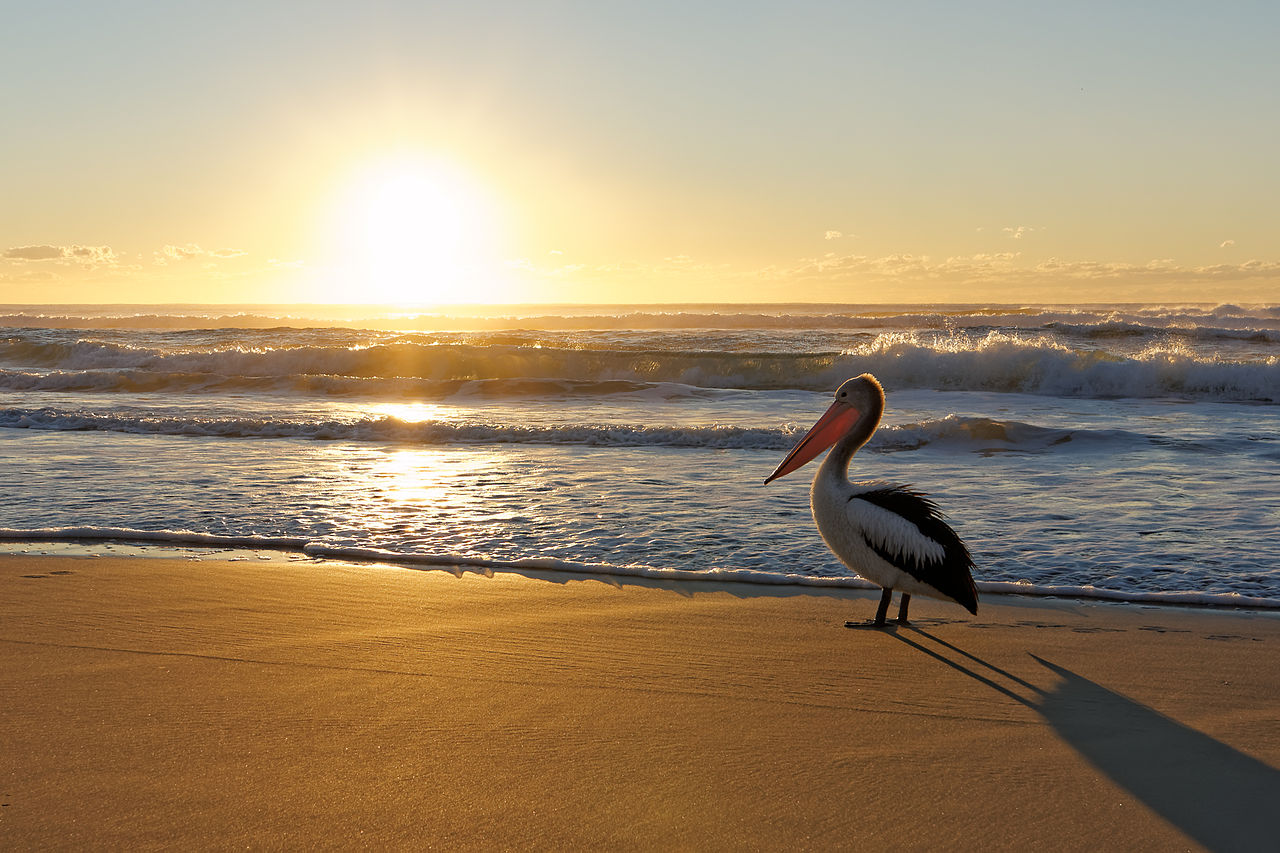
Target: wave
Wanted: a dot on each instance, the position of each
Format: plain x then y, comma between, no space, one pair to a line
139,381
1191,334
458,562
954,433
408,368
395,430
1001,362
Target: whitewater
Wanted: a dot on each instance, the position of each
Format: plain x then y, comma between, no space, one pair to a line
1116,451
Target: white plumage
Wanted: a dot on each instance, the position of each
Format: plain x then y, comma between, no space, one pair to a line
890,535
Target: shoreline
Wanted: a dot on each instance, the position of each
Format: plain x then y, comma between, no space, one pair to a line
273,702
109,542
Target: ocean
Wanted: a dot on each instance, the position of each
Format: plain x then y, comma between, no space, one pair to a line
1128,452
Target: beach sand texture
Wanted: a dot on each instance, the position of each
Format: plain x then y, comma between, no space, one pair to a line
162,702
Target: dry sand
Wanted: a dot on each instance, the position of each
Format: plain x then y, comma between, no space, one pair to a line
162,702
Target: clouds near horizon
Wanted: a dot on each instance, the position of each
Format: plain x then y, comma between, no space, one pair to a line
171,254
87,255
981,276
78,273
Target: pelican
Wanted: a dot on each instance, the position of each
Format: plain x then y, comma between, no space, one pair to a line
891,535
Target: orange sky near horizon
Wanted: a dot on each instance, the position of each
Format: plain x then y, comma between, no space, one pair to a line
524,153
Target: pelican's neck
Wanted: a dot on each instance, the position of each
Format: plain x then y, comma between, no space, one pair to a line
836,465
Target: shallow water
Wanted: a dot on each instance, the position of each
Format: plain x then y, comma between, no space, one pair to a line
1089,454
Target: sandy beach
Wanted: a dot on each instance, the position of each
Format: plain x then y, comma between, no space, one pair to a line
269,704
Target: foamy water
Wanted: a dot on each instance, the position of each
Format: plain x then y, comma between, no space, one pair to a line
1118,451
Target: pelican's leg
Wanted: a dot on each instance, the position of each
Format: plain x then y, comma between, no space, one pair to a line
902,609
885,597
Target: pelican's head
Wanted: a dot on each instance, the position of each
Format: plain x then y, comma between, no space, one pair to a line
863,392
857,400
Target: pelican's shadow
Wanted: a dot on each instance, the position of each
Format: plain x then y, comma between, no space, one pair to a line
1215,794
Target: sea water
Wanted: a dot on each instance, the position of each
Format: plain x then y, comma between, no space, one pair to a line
1118,451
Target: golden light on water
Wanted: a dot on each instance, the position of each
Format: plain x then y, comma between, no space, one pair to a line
427,478
401,488
398,483
413,413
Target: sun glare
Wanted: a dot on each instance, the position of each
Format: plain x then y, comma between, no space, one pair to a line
412,230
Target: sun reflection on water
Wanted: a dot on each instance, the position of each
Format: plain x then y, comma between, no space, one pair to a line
426,494
430,477
414,413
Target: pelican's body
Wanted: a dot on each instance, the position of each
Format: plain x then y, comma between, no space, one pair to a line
891,535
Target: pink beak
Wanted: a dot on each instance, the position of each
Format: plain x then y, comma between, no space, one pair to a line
834,424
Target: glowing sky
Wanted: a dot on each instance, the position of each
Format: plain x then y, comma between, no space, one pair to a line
623,152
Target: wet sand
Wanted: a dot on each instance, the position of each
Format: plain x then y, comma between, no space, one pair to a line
164,702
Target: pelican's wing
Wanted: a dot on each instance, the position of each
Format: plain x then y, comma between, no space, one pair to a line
907,530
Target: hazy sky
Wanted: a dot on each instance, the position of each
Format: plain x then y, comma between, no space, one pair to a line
644,151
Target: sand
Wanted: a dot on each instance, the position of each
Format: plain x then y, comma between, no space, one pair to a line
274,704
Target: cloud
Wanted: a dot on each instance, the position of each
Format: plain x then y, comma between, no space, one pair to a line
177,254
91,255
1163,269
34,253
1226,244
898,267
170,254
85,255
833,235
1016,231
1008,268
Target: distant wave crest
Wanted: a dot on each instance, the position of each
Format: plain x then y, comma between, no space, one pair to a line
1144,318
408,368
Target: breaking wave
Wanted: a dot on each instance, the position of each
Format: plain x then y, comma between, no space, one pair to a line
408,368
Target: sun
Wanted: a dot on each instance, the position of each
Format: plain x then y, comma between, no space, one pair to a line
412,229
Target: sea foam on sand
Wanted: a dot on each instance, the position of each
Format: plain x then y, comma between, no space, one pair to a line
88,536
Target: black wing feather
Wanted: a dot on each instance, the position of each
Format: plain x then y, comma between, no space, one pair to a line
953,574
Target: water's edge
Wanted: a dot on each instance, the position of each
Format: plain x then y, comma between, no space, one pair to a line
321,550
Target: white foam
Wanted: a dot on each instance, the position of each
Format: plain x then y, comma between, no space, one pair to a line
183,537
547,564
407,365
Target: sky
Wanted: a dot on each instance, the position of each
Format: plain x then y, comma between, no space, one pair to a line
488,151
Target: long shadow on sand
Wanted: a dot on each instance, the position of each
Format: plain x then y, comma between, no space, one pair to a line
1220,797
